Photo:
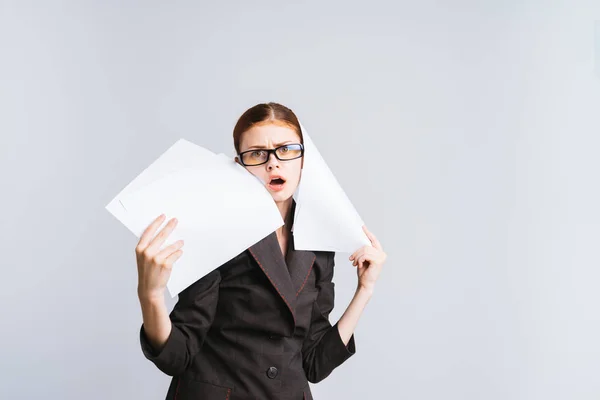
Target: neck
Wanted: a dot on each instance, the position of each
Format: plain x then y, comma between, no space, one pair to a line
285,208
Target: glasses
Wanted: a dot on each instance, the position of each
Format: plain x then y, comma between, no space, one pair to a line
283,153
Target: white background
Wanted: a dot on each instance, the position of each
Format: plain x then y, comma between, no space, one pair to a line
465,133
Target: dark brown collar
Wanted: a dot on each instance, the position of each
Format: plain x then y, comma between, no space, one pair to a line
287,278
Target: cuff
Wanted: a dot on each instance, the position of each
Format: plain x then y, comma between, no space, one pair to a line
167,352
335,348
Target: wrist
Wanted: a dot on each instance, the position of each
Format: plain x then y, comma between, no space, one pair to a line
150,299
365,290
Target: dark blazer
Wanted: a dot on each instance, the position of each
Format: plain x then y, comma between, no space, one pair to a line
257,327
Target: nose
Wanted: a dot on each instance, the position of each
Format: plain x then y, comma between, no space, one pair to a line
272,161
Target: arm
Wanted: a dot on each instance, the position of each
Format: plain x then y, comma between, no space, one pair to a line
156,323
326,347
172,342
349,320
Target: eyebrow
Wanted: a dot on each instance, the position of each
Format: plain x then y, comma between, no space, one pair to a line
264,147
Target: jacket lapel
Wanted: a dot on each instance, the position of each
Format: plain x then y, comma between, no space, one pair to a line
269,257
300,264
289,277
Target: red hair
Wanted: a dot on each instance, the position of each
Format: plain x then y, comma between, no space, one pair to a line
265,113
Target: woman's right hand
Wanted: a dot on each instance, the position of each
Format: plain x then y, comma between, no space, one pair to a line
154,265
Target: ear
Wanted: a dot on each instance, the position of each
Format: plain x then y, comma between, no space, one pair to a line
237,160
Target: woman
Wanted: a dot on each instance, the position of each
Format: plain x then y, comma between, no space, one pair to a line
258,326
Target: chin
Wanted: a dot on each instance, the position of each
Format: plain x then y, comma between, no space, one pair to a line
281,197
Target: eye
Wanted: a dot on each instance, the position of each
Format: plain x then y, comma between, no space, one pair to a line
256,153
284,149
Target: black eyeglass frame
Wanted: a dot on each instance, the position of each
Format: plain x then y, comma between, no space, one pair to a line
269,151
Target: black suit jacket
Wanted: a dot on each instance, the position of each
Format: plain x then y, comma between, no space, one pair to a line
257,327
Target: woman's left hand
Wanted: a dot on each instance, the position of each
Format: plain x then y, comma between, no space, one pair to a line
369,260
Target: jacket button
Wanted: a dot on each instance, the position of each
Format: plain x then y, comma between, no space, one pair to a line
272,372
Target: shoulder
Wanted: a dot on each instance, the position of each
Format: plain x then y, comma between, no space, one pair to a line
324,264
325,257
200,289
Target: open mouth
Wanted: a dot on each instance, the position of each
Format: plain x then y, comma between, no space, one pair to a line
276,184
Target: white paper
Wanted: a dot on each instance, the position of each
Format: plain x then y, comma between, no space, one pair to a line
325,219
180,155
220,212
221,208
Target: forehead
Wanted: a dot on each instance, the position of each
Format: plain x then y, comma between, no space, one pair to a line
268,134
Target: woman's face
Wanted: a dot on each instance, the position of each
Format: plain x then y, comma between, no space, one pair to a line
269,136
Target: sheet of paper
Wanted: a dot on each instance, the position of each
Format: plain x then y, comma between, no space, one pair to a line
181,154
325,218
182,159
221,212
223,209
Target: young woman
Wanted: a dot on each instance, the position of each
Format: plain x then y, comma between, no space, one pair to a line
258,326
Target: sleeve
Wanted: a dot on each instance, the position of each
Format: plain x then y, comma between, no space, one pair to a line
323,349
191,319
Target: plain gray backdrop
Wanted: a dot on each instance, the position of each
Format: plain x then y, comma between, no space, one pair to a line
464,132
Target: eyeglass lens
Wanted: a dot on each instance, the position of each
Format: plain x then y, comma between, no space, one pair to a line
259,156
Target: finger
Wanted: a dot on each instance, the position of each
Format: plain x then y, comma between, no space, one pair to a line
363,262
160,238
372,238
167,251
359,254
374,242
370,257
370,250
362,259
363,255
173,257
149,232
354,255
